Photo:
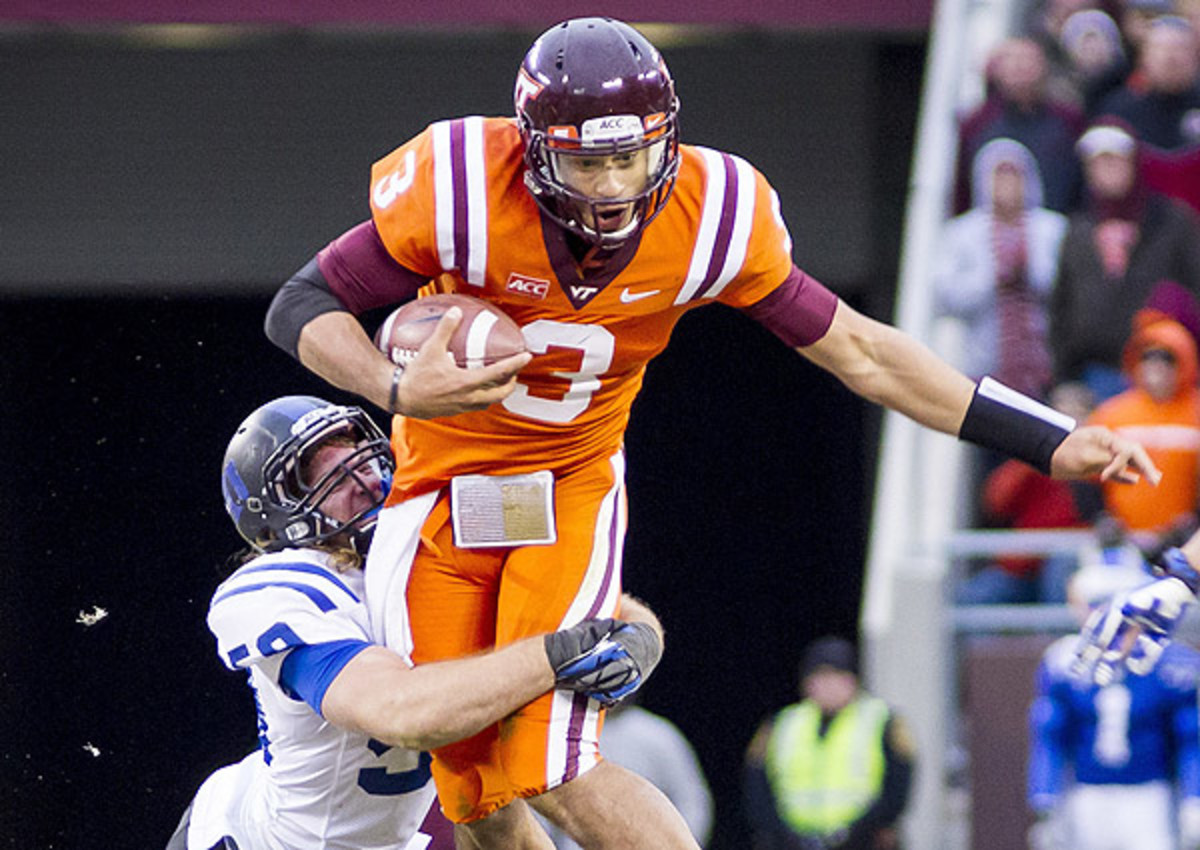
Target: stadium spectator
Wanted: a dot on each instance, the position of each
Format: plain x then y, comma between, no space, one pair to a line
1018,107
1135,17
832,771
1162,105
1173,174
995,266
1178,303
1094,63
1189,10
1171,171
1161,410
1117,249
1015,495
1106,763
1044,21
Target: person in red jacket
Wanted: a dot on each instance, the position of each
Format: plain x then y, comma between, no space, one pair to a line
1015,495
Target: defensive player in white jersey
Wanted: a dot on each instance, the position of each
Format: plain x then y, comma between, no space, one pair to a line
343,721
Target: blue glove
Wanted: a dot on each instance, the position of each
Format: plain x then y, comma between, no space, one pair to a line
605,659
1132,630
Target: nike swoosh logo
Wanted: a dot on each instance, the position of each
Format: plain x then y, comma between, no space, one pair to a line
628,297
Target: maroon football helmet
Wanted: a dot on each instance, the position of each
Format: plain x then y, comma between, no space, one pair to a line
596,87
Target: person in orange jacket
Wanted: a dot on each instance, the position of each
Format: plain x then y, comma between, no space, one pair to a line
1161,409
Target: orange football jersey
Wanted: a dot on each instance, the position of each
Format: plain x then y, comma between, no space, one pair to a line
452,204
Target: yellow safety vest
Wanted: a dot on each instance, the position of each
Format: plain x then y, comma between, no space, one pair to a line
822,784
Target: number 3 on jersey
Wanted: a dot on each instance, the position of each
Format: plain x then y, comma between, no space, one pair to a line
396,183
597,345
400,770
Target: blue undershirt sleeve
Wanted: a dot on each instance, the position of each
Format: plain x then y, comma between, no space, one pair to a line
308,671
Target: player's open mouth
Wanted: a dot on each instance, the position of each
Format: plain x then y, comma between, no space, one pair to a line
611,219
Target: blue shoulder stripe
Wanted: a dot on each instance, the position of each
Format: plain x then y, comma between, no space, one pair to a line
301,567
319,599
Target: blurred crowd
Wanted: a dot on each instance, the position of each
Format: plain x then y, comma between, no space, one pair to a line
1071,257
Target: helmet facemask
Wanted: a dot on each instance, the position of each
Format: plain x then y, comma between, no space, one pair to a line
602,138
368,467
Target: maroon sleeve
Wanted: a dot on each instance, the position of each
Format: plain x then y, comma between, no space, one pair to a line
798,311
362,274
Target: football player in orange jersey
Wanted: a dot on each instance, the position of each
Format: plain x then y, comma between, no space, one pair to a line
589,223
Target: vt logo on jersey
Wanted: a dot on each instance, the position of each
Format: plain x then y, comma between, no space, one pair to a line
531,287
580,294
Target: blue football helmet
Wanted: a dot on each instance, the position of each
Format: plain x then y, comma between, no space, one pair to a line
262,476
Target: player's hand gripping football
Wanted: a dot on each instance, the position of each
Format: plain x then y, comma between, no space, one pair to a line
1134,628
432,385
606,659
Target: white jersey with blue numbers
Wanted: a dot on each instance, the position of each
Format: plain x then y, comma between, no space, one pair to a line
1138,730
310,784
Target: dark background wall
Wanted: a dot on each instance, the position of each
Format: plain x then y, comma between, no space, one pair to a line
153,196
896,15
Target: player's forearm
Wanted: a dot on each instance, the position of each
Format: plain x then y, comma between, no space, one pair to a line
891,368
334,346
435,704
911,379
480,690
633,610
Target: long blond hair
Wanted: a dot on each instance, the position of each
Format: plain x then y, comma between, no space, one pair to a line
342,556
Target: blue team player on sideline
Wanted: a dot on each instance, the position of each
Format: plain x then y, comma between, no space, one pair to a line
343,722
1107,762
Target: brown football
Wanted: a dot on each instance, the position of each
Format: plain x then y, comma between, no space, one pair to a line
485,335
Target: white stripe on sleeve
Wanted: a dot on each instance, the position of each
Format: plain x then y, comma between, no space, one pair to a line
710,220
743,217
443,193
477,241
